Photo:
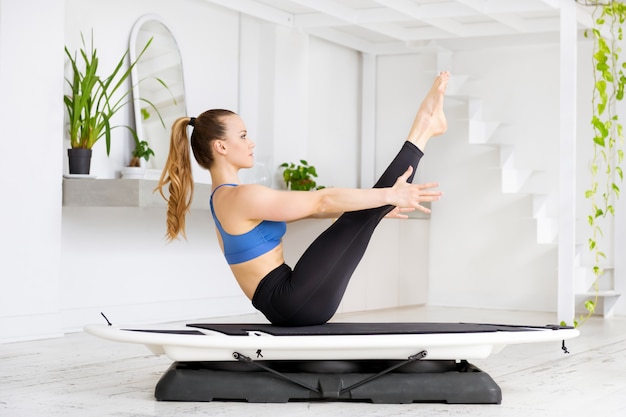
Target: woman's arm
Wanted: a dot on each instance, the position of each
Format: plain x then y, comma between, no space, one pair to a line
256,202
396,213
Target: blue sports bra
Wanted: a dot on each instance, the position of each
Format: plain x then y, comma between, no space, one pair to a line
241,248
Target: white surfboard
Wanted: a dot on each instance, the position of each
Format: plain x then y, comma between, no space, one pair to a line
458,341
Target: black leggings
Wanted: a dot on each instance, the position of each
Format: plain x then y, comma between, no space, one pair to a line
310,293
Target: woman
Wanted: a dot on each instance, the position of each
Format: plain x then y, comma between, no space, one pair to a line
251,219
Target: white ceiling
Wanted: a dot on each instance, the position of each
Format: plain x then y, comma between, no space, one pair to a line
401,26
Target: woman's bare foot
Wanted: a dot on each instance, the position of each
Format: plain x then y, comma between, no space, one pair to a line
430,119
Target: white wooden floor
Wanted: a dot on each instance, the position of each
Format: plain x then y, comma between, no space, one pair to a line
80,375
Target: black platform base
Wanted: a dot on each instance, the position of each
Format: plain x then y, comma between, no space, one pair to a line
390,382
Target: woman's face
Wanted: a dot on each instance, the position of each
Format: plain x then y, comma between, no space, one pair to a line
238,146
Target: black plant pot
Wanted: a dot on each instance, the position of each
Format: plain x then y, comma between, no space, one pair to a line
80,160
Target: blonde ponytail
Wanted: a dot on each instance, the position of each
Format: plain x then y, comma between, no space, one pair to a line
177,173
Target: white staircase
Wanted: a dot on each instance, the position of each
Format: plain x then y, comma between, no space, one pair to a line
518,180
515,180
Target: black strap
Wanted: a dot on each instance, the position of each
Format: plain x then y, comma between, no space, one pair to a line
243,358
412,358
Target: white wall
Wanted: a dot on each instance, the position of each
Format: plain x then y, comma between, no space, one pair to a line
116,260
401,84
333,136
620,261
300,99
31,116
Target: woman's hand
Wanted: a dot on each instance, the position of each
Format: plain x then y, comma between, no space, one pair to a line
407,196
398,213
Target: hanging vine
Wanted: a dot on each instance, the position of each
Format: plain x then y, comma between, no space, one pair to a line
608,140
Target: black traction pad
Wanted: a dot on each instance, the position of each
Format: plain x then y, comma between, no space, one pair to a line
355,329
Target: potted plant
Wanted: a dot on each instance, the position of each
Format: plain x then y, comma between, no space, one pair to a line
300,176
135,168
92,102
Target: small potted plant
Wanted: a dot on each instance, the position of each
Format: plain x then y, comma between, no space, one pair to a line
92,102
300,176
136,168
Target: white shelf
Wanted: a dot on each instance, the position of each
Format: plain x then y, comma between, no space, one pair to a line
85,192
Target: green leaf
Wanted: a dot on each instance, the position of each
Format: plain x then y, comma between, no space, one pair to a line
153,108
601,128
602,66
603,155
598,230
599,140
590,306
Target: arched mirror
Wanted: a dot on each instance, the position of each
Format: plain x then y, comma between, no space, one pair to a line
159,67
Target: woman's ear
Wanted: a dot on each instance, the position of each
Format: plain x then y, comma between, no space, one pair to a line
219,147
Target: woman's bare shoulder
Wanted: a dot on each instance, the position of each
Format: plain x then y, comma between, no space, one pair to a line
265,203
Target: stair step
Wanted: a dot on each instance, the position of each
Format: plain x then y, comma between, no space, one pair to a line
481,132
456,84
585,279
604,306
514,179
547,230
